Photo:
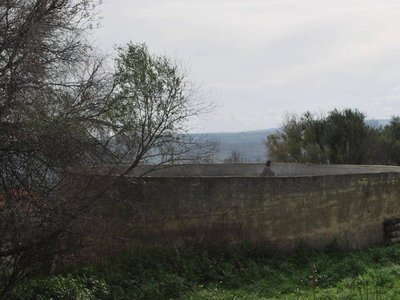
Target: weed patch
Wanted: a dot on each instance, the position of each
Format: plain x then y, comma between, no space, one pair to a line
227,272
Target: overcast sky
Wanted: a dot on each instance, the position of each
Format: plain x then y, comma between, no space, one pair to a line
262,58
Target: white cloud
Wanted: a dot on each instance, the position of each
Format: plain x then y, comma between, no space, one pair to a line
273,55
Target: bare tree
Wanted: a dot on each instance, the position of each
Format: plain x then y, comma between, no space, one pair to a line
63,115
53,93
236,157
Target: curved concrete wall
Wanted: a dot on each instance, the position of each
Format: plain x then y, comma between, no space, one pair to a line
209,204
255,169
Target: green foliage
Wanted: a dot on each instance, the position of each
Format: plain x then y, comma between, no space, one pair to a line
389,142
63,288
228,272
64,113
347,134
152,103
150,91
342,137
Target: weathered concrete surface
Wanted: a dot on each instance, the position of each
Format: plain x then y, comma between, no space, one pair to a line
284,211
255,169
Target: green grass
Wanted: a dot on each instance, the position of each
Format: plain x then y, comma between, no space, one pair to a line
228,272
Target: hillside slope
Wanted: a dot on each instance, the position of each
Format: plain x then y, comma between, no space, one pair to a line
251,144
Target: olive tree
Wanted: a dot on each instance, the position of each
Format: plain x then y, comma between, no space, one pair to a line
342,137
388,146
153,102
300,140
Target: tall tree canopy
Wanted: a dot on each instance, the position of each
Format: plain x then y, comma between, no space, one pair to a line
342,137
63,112
388,143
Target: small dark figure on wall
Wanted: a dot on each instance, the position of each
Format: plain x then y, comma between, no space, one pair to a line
267,170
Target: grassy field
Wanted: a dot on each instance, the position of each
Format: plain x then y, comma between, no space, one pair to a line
228,272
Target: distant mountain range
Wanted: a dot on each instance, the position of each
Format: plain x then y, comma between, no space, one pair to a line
251,144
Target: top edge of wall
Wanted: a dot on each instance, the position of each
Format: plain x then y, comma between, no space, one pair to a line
256,169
